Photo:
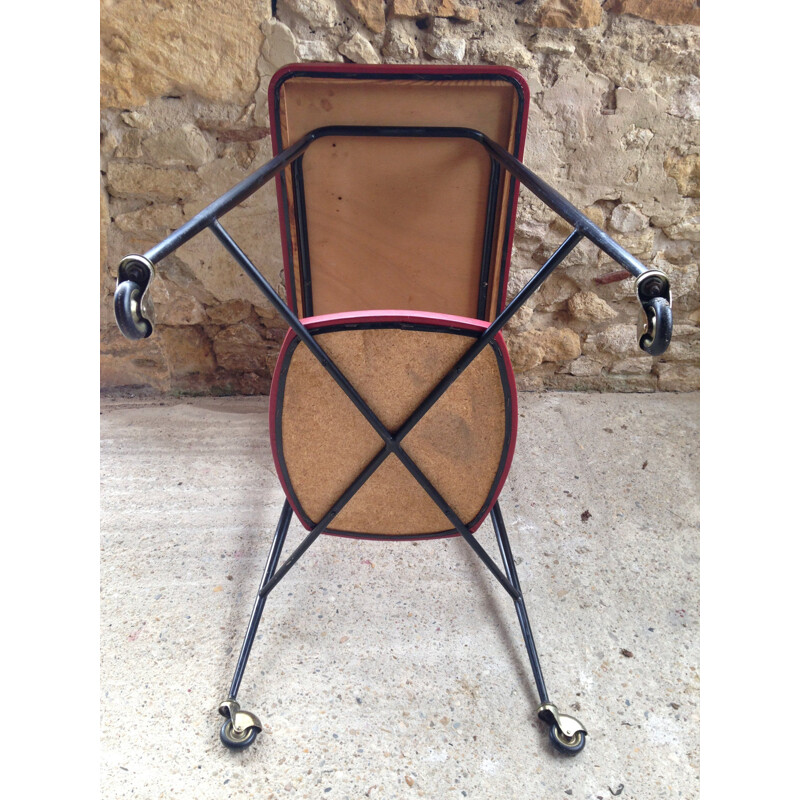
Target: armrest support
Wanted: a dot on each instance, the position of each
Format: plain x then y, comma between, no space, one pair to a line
652,286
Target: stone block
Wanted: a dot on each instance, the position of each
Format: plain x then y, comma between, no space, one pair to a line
442,9
359,50
687,228
126,363
187,350
130,145
206,47
399,44
564,382
131,179
229,313
319,13
174,305
626,218
566,14
587,306
633,366
319,51
584,366
241,348
678,377
181,146
618,340
371,12
685,171
507,53
156,218
279,47
664,12
531,348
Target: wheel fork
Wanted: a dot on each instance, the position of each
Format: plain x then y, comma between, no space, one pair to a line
241,721
569,726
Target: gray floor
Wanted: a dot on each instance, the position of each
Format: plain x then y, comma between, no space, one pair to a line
386,670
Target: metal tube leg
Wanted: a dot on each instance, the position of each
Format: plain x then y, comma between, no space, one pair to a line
566,733
241,727
519,605
258,606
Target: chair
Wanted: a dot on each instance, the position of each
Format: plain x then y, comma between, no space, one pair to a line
393,404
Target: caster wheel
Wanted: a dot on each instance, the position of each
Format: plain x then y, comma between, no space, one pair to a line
127,310
236,741
571,745
656,339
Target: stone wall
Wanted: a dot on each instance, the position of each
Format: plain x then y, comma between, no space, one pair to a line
614,126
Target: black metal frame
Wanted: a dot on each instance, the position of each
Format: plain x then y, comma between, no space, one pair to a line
517,169
650,284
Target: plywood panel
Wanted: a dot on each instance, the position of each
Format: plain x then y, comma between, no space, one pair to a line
398,223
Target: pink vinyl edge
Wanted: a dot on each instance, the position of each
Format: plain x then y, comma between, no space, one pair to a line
391,315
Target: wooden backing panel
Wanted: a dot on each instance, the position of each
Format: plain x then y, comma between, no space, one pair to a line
396,224
308,103
455,204
325,444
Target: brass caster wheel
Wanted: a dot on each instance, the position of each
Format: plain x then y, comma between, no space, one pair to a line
567,734
235,740
240,727
571,745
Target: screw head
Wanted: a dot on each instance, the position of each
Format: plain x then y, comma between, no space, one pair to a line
651,287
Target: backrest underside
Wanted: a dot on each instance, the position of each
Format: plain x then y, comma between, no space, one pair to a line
420,224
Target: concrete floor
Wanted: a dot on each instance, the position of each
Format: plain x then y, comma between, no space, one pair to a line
397,670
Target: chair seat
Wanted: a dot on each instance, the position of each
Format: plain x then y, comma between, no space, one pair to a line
321,442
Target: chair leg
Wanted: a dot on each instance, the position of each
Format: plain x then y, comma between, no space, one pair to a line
241,727
566,733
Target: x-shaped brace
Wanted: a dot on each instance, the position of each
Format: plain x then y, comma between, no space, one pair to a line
392,442
131,308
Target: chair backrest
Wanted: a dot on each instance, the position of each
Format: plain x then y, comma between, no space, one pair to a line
397,223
